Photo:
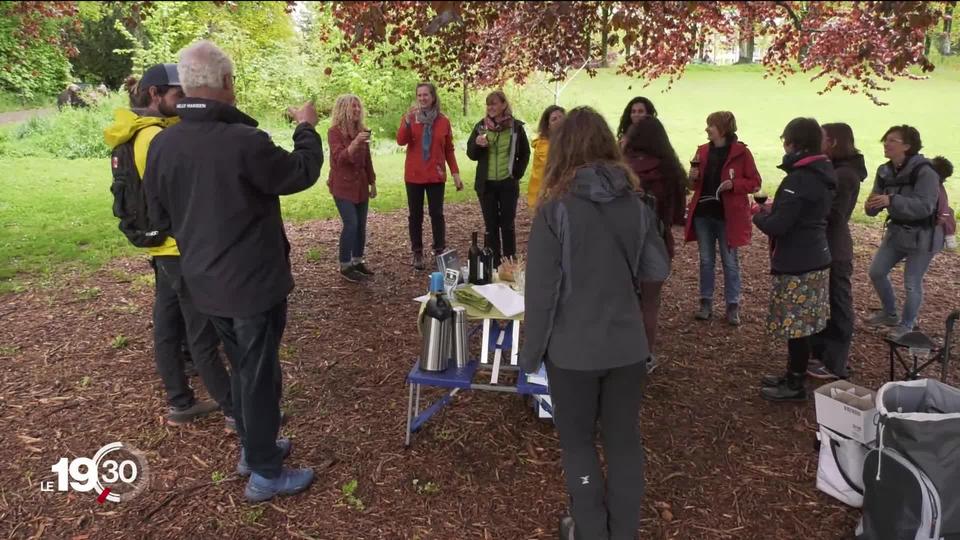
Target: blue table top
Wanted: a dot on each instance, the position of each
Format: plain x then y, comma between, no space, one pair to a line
454,377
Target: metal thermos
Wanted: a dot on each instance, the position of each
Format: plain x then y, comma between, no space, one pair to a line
432,357
436,325
459,341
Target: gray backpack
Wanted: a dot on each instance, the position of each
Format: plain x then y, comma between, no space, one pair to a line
912,479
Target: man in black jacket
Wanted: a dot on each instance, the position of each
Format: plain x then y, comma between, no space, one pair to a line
214,181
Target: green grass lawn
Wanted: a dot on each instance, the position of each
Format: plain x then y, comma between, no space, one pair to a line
56,213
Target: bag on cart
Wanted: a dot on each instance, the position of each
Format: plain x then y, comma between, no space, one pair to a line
912,479
840,467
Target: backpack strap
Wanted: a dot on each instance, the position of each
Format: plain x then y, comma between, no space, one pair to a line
914,176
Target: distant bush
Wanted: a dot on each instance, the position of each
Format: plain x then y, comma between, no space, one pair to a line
69,134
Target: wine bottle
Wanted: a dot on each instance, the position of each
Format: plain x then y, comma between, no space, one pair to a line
474,264
487,270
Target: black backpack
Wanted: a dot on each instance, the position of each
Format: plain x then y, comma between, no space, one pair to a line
129,200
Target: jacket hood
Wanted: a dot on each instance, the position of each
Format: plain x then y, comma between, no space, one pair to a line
208,110
126,124
818,164
886,170
854,162
600,183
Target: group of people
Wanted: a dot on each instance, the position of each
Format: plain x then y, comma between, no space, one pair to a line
599,252
598,234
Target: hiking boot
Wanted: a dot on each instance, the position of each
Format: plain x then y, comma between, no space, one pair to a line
283,444
567,528
706,310
879,318
179,417
821,372
362,268
652,364
790,389
290,482
733,314
352,275
418,261
772,381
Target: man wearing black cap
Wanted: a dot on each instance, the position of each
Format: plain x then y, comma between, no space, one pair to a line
153,101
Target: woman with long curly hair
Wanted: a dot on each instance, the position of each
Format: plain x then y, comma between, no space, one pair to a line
352,182
592,242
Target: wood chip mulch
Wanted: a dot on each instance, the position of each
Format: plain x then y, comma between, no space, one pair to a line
721,462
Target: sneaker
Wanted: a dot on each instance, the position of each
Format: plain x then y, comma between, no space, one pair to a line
567,529
290,482
706,310
652,364
418,261
821,372
362,268
879,318
351,274
229,425
283,444
179,417
733,314
898,332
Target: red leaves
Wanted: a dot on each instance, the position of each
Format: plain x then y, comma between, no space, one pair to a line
852,45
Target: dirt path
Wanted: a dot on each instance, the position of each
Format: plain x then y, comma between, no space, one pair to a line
727,464
13,117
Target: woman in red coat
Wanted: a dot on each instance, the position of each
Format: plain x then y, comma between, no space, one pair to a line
723,174
648,152
427,134
352,182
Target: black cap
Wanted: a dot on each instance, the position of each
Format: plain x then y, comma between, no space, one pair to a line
160,75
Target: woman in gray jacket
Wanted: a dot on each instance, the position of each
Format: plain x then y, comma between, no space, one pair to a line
592,242
908,188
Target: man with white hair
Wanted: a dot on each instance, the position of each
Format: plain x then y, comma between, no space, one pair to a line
214,181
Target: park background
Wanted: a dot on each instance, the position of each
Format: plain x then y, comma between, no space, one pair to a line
76,365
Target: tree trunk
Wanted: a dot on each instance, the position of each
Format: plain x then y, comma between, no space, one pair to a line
747,42
626,49
604,33
466,97
926,45
945,45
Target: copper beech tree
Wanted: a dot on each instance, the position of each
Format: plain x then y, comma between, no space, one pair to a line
858,46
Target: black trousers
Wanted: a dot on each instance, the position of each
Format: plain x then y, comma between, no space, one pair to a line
174,315
499,205
799,352
253,347
601,510
832,344
434,193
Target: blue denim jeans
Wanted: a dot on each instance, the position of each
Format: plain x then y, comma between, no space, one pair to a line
916,266
354,234
710,232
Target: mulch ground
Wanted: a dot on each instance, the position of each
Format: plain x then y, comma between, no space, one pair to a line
721,462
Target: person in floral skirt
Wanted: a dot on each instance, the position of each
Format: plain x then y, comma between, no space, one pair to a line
796,224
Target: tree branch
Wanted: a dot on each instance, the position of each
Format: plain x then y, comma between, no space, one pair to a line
793,15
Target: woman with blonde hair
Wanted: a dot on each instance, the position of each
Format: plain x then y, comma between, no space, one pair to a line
499,145
352,182
592,243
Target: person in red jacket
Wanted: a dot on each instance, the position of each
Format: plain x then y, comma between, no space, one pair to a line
723,174
352,182
427,134
648,152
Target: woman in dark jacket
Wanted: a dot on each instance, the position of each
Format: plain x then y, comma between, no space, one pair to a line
637,109
499,145
800,254
591,242
647,150
831,347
